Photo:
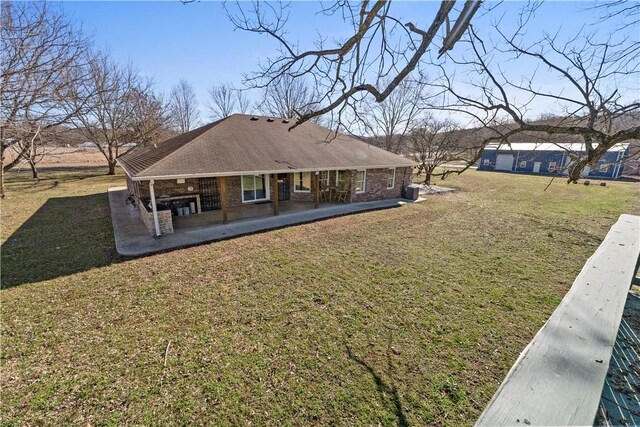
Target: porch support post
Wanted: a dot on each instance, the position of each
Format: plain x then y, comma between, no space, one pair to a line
276,209
352,185
316,188
198,204
154,207
223,199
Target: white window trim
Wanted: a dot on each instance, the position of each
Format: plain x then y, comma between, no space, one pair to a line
486,162
393,182
364,181
294,183
338,176
266,188
328,180
521,163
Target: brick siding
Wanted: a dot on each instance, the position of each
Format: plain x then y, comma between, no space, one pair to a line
169,187
234,191
376,185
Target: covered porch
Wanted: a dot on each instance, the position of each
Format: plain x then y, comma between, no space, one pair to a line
169,204
244,213
133,239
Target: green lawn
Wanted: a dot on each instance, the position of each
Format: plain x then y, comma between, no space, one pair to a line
408,316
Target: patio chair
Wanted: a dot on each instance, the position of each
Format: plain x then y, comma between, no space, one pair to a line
343,193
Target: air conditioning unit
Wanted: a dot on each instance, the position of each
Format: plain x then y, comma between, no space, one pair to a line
411,192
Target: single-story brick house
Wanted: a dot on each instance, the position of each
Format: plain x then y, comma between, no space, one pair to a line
243,160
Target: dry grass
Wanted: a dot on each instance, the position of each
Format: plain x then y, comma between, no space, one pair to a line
408,316
64,157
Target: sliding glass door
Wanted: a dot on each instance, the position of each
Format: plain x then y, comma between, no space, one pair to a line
255,188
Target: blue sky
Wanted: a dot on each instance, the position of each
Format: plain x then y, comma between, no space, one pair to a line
169,41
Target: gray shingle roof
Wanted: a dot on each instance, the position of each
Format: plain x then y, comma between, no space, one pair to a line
238,145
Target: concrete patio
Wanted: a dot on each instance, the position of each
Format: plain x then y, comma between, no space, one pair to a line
132,238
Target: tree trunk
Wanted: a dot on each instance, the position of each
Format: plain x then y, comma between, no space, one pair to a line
576,170
112,167
34,171
2,179
428,170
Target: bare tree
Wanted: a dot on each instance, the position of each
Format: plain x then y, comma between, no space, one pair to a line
622,13
150,116
33,150
436,142
243,102
223,101
40,61
388,123
122,109
183,107
35,154
286,97
599,75
381,52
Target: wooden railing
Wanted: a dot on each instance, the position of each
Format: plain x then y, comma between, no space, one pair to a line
558,378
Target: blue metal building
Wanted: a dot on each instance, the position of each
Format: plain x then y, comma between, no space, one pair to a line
550,159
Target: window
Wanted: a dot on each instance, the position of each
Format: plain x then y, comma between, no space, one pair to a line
604,168
552,166
341,177
523,163
254,187
361,181
302,182
324,179
486,162
391,178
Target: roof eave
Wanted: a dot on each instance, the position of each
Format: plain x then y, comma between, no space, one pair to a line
125,168
264,172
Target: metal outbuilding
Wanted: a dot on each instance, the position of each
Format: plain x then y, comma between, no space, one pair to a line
550,159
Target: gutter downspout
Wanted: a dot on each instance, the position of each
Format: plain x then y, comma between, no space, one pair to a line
154,208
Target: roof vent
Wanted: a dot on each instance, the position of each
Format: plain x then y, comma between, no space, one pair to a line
270,120
285,120
253,119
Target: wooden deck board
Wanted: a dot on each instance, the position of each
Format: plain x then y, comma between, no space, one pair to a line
558,378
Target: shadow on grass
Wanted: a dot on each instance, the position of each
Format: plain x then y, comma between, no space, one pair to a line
51,177
388,393
65,235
